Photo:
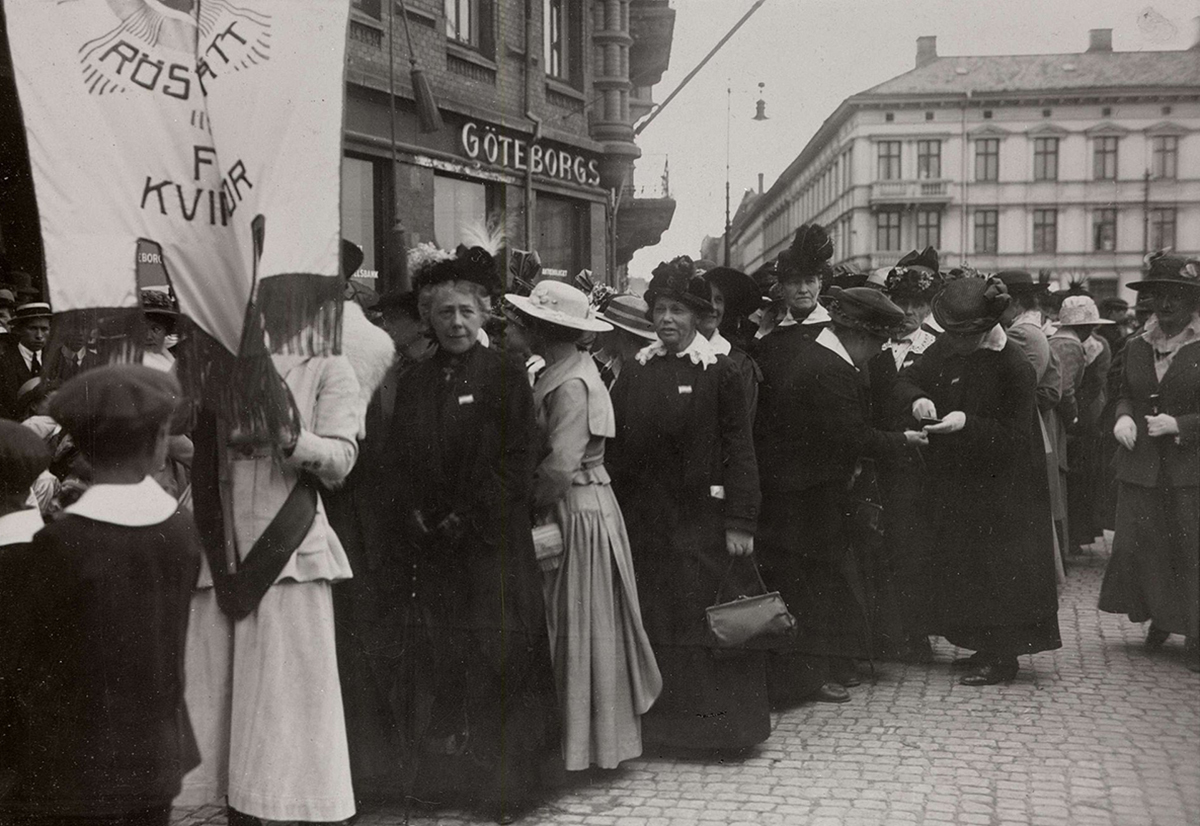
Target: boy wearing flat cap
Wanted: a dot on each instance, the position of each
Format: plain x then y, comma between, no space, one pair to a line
806,461
104,617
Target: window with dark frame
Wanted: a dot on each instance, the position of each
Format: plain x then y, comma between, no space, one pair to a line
1164,156
929,159
1162,228
929,228
1045,230
889,161
462,21
368,7
887,231
1104,158
1104,230
555,33
1045,159
987,230
987,159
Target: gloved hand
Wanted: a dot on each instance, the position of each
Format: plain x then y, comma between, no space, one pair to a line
952,422
1125,432
916,437
924,408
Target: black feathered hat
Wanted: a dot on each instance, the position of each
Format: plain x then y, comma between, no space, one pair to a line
915,277
808,255
474,264
676,279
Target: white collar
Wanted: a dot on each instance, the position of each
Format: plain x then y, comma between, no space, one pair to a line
26,353
133,506
700,351
163,362
995,339
19,526
828,339
483,338
1031,317
720,344
1159,341
933,325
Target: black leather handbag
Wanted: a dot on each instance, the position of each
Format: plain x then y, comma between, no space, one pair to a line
759,621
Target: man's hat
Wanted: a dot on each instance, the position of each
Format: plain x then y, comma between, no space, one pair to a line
108,407
971,305
1019,282
32,310
159,303
676,279
1163,269
863,308
742,296
23,457
7,297
631,314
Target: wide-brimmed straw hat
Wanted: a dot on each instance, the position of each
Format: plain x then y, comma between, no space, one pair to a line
558,303
970,305
1163,269
631,314
1080,311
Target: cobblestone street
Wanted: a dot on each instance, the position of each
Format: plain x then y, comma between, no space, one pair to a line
1099,733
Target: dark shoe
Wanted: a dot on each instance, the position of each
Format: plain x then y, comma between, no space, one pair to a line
991,674
831,693
972,661
845,673
1155,637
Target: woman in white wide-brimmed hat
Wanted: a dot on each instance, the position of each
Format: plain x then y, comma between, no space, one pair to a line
604,667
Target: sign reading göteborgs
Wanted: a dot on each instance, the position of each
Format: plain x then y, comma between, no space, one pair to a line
180,122
487,145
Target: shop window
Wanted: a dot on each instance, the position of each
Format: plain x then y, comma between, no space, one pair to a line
361,188
887,231
987,159
1162,228
564,235
1104,159
1165,155
987,230
457,203
1045,230
889,161
929,159
1104,230
1045,159
929,228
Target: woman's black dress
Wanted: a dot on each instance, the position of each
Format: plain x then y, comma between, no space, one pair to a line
682,435
993,584
471,684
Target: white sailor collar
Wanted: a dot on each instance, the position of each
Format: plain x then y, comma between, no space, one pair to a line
700,351
828,339
134,506
19,527
819,315
995,339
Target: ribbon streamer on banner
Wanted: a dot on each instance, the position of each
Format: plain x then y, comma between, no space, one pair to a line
202,137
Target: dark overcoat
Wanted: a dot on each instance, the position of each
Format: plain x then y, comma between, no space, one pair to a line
993,582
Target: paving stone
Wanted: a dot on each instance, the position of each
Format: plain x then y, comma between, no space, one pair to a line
1100,733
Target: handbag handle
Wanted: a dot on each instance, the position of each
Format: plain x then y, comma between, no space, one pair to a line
729,570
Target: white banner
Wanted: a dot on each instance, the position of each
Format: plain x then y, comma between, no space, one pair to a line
179,121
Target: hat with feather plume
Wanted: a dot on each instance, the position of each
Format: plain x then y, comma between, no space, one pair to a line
808,255
677,280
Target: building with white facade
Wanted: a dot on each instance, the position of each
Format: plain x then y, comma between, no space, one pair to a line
1075,164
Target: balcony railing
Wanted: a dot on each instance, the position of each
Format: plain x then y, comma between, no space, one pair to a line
911,192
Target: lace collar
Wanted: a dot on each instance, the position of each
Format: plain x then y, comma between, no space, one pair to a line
700,351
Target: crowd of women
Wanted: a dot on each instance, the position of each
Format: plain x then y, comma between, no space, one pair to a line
506,513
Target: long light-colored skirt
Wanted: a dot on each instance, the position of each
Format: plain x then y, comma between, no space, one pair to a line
604,667
266,706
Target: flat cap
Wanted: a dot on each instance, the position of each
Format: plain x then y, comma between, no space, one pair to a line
103,406
23,456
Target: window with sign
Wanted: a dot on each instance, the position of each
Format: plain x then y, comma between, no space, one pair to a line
563,235
361,187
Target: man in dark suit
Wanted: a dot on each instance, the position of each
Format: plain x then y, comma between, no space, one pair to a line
22,353
806,461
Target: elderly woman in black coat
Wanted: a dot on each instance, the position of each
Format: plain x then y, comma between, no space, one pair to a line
472,695
993,586
684,471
